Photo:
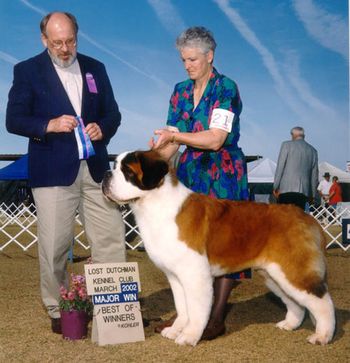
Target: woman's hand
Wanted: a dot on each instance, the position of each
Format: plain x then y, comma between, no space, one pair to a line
164,144
151,143
164,138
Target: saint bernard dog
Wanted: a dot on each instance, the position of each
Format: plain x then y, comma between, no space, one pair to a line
192,238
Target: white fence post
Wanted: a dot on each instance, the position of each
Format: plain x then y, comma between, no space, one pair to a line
329,218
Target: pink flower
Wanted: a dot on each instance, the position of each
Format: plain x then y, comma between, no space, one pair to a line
185,95
71,295
76,298
216,104
183,157
214,172
226,162
175,100
77,280
185,115
82,294
239,168
63,292
198,126
197,154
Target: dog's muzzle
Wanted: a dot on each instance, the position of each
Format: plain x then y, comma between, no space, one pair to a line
106,190
106,182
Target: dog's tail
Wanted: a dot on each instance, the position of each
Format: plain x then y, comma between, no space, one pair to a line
320,236
323,243
321,239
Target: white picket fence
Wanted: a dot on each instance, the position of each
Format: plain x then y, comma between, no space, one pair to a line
18,226
331,219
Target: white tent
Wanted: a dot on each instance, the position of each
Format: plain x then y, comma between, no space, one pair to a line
343,176
261,171
261,175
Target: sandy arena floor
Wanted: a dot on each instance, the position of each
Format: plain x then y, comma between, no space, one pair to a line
251,336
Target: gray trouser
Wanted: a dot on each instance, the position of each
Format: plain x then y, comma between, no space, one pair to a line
56,211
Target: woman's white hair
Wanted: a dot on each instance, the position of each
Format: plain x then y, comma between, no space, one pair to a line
196,37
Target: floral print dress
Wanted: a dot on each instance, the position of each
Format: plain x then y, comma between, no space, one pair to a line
221,174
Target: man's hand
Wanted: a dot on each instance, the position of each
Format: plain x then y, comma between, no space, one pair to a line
64,123
94,131
276,193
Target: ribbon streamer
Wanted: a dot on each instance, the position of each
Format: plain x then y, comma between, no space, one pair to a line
85,147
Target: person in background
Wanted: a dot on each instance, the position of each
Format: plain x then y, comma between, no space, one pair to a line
67,154
335,193
296,175
203,116
323,189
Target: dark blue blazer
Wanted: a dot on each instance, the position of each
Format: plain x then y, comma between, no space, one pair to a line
37,96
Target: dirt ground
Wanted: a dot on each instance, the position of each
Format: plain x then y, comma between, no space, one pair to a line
251,336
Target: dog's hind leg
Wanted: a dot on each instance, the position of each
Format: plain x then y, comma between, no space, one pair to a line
318,302
295,313
322,309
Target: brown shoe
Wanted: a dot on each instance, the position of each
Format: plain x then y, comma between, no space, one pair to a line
165,324
213,330
56,325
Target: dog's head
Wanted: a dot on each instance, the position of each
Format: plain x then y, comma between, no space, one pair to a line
134,174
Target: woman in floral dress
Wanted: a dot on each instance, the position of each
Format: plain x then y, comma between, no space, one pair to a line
204,117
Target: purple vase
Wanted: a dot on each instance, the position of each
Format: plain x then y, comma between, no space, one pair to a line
74,324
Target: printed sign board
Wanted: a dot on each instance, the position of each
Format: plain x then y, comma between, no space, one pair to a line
117,315
346,231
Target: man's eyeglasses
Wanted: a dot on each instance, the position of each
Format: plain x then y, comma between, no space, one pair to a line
58,44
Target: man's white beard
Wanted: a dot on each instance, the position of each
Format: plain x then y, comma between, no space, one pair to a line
61,63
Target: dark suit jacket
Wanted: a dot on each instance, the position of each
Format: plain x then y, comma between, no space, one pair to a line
36,96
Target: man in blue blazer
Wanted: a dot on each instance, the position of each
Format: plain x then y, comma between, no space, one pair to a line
67,154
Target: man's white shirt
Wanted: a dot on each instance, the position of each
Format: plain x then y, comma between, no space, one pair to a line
73,84
324,187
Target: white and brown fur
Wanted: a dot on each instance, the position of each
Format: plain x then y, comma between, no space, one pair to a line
192,238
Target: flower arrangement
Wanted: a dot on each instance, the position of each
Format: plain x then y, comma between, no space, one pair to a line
76,298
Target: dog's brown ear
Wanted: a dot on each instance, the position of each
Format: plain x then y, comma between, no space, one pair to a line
154,168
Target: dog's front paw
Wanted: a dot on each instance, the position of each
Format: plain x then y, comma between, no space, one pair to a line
321,339
285,325
171,332
187,338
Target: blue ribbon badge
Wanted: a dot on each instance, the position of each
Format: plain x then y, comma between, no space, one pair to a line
85,147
